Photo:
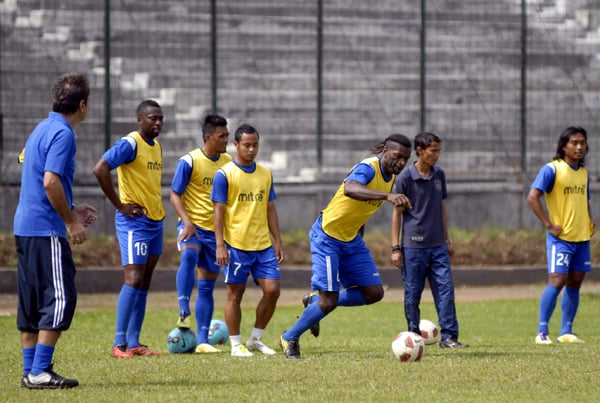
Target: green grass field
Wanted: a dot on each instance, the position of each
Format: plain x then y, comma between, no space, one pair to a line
350,361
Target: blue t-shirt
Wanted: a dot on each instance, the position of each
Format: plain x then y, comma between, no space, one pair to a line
221,187
50,147
423,224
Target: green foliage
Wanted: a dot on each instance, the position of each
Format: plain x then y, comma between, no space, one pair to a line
486,246
350,361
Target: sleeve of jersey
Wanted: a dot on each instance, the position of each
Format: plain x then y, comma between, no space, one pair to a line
272,195
219,189
122,152
544,181
362,173
182,175
60,152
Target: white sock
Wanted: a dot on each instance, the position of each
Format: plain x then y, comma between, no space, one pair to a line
257,334
235,340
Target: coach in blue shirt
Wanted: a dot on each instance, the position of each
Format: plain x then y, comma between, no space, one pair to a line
46,220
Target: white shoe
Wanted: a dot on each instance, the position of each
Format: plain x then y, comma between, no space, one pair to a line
569,338
257,345
239,350
542,339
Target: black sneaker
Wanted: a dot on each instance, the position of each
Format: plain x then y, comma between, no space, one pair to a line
24,382
48,380
306,301
291,348
452,343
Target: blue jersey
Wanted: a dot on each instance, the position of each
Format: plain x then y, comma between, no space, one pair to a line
50,147
423,224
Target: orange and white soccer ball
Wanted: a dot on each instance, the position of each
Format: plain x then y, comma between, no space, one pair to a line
429,331
408,346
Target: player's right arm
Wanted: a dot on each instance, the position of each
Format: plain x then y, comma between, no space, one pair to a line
396,225
181,178
544,182
120,153
56,195
219,198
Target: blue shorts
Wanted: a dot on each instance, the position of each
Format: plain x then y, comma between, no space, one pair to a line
139,238
46,284
262,264
206,245
564,256
335,262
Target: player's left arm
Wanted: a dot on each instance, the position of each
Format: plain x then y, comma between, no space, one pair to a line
446,237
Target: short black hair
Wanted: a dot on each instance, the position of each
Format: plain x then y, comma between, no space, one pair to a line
211,122
424,140
141,109
244,128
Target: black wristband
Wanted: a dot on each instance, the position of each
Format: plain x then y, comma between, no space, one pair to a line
396,248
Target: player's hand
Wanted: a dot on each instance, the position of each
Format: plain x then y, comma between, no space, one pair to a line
450,250
399,200
397,258
188,231
76,232
132,210
84,213
555,229
279,253
222,255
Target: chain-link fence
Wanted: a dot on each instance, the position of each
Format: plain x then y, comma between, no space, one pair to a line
322,81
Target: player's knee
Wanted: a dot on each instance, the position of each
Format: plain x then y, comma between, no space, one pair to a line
189,258
328,303
374,295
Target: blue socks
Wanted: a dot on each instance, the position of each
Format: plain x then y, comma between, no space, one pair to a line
137,318
124,308
185,278
547,305
205,305
351,297
42,359
569,305
311,315
28,355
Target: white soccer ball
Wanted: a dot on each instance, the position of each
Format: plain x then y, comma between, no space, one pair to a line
429,331
408,346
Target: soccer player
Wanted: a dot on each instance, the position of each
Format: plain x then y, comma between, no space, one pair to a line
138,221
426,249
565,184
190,196
245,219
339,254
45,221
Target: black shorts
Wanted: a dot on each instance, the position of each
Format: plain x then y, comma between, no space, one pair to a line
46,284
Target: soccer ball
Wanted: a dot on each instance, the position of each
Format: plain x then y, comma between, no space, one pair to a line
429,331
408,346
218,332
181,341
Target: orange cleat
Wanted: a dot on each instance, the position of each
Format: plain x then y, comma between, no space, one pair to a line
121,351
143,350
